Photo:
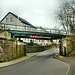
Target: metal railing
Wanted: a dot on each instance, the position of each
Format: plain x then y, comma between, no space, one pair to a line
28,28
53,30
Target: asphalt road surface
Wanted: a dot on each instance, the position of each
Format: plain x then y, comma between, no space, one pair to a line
42,64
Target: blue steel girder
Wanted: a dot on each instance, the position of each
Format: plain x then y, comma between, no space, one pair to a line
29,33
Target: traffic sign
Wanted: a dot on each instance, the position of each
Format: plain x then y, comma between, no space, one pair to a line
57,52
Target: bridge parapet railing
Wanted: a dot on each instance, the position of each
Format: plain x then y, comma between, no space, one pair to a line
27,28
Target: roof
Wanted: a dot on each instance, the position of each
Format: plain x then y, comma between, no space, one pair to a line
21,19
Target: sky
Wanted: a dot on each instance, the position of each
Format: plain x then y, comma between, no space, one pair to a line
37,12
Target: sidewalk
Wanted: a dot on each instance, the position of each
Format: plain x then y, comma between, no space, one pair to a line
29,55
71,62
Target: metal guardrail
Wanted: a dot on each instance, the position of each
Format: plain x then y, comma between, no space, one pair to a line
53,30
28,28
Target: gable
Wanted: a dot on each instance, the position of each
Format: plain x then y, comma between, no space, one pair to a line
9,16
17,20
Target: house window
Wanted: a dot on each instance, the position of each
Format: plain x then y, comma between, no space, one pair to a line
11,19
7,19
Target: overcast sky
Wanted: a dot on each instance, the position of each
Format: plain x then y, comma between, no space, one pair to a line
37,12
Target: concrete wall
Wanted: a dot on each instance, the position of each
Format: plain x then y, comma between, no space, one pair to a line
73,41
5,34
10,50
32,49
67,45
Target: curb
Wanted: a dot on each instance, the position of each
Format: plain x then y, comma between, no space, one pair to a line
68,67
5,64
9,63
66,64
48,50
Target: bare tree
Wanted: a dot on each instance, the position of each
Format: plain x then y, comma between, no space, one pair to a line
66,15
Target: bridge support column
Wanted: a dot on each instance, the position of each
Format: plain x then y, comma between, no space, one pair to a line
52,41
13,36
19,38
